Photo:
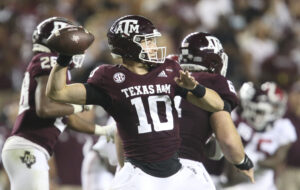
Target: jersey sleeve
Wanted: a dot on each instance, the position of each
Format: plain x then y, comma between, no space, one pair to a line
96,93
286,131
96,77
226,90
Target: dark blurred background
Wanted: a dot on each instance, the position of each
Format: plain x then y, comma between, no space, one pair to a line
261,38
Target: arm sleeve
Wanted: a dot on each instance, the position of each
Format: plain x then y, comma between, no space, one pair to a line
227,106
96,96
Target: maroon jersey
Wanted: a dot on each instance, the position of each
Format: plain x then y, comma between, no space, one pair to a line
41,131
194,122
143,107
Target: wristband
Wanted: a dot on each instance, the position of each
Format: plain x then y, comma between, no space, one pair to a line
77,108
246,164
199,91
63,60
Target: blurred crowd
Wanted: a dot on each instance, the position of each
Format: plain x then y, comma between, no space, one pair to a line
261,38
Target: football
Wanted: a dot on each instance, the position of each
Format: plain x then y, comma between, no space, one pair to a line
72,40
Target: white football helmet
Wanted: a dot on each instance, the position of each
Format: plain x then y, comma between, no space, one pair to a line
262,105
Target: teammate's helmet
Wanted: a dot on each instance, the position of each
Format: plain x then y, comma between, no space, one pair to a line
45,29
262,105
201,51
125,38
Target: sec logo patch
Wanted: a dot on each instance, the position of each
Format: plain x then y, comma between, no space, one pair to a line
119,77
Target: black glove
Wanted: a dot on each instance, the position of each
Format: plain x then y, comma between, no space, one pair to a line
64,60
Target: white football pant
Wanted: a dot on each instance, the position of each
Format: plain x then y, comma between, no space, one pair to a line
27,168
192,176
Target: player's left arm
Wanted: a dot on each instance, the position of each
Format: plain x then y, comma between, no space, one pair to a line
78,123
231,143
46,108
228,137
199,95
277,159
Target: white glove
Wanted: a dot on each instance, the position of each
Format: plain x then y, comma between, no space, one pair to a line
108,131
81,108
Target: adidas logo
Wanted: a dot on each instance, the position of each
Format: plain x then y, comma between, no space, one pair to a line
162,74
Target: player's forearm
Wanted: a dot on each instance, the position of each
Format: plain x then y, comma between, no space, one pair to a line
232,147
56,83
211,101
59,91
53,109
79,124
227,136
234,153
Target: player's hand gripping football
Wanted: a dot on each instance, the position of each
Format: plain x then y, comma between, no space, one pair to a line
185,80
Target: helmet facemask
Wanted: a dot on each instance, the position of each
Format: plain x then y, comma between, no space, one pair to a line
262,105
258,114
150,51
78,60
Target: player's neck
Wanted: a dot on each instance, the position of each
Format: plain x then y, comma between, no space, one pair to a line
136,67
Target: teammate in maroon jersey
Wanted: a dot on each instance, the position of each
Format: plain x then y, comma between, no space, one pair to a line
139,95
39,122
203,55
